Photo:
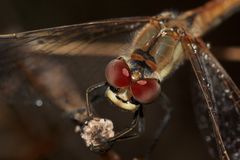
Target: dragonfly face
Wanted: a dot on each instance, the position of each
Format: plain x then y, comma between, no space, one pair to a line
129,87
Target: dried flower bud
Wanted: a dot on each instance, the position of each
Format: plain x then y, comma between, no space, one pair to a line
97,131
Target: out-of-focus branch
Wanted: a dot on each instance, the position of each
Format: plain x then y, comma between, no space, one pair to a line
227,53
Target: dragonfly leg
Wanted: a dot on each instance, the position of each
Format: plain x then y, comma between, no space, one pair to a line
80,115
88,91
140,126
141,121
165,104
122,135
138,119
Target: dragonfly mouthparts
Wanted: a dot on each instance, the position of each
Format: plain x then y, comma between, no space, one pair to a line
125,104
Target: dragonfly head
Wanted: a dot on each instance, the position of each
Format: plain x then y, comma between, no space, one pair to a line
128,89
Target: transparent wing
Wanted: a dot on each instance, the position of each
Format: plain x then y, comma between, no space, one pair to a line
39,56
218,102
95,38
50,69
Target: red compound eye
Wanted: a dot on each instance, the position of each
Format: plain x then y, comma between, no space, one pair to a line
117,73
145,90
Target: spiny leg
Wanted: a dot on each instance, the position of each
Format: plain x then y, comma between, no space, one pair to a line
88,91
125,134
80,115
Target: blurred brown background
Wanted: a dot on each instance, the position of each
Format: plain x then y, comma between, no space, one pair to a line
181,140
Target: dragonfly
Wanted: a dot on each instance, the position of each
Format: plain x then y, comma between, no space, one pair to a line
147,51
